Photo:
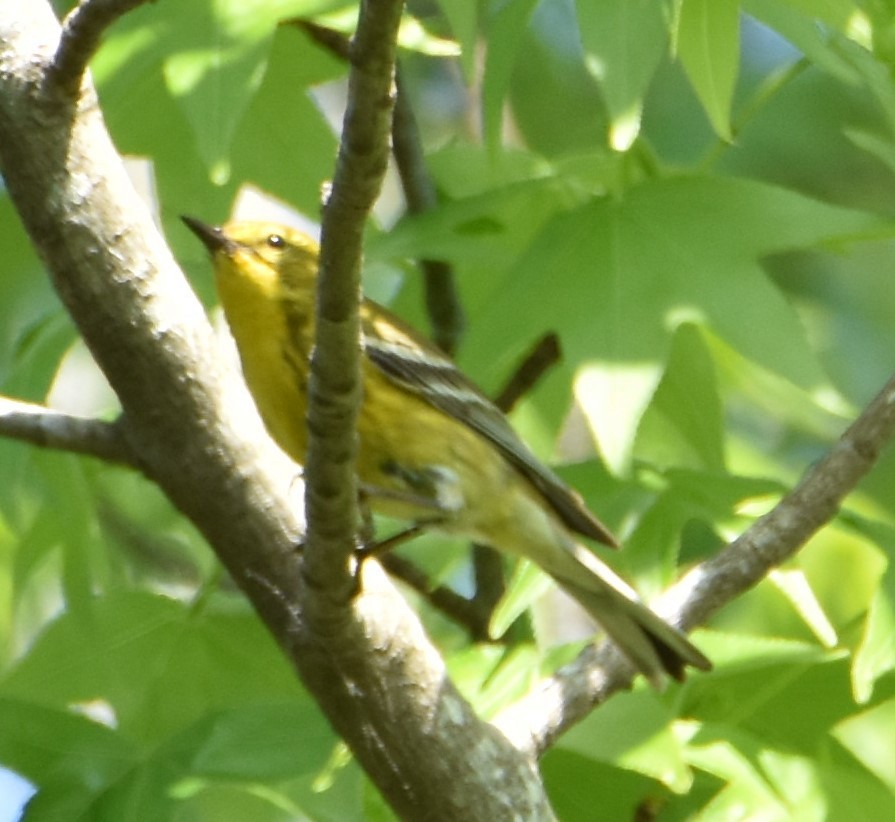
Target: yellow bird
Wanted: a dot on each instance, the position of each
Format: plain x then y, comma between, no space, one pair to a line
433,446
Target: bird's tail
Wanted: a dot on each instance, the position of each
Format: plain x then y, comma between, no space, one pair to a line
652,645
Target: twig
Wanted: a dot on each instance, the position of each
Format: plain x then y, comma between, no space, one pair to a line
334,387
544,354
467,613
597,673
51,429
332,40
81,32
442,300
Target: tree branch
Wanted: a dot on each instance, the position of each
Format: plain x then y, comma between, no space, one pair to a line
442,300
40,426
188,421
81,32
379,680
196,432
544,354
598,672
334,390
443,303
471,614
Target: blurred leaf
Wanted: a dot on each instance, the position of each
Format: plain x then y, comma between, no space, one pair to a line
633,731
624,42
492,677
868,736
216,64
736,758
186,665
552,84
45,744
708,44
463,18
265,150
527,584
682,425
259,742
616,277
505,24
853,791
577,785
801,29
875,655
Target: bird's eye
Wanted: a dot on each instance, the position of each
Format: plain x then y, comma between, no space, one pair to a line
276,241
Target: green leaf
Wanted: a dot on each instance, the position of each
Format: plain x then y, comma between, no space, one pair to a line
578,787
801,29
853,792
875,655
265,149
551,86
616,277
682,425
185,665
216,68
708,45
259,742
493,677
505,25
868,735
633,731
527,585
463,18
836,13
743,762
624,42
687,498
44,744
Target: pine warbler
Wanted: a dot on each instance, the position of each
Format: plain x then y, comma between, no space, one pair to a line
428,438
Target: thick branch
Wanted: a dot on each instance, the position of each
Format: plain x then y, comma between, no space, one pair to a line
187,421
64,432
598,672
196,432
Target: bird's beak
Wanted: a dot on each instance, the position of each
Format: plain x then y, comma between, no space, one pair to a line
212,237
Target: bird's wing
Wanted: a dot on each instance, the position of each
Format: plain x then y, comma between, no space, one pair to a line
413,363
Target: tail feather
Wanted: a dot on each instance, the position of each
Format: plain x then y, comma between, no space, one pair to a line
652,645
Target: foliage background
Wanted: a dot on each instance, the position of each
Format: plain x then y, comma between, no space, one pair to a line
695,196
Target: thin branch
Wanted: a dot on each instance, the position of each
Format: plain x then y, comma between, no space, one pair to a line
598,672
332,40
334,391
82,30
40,426
468,613
443,303
542,356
